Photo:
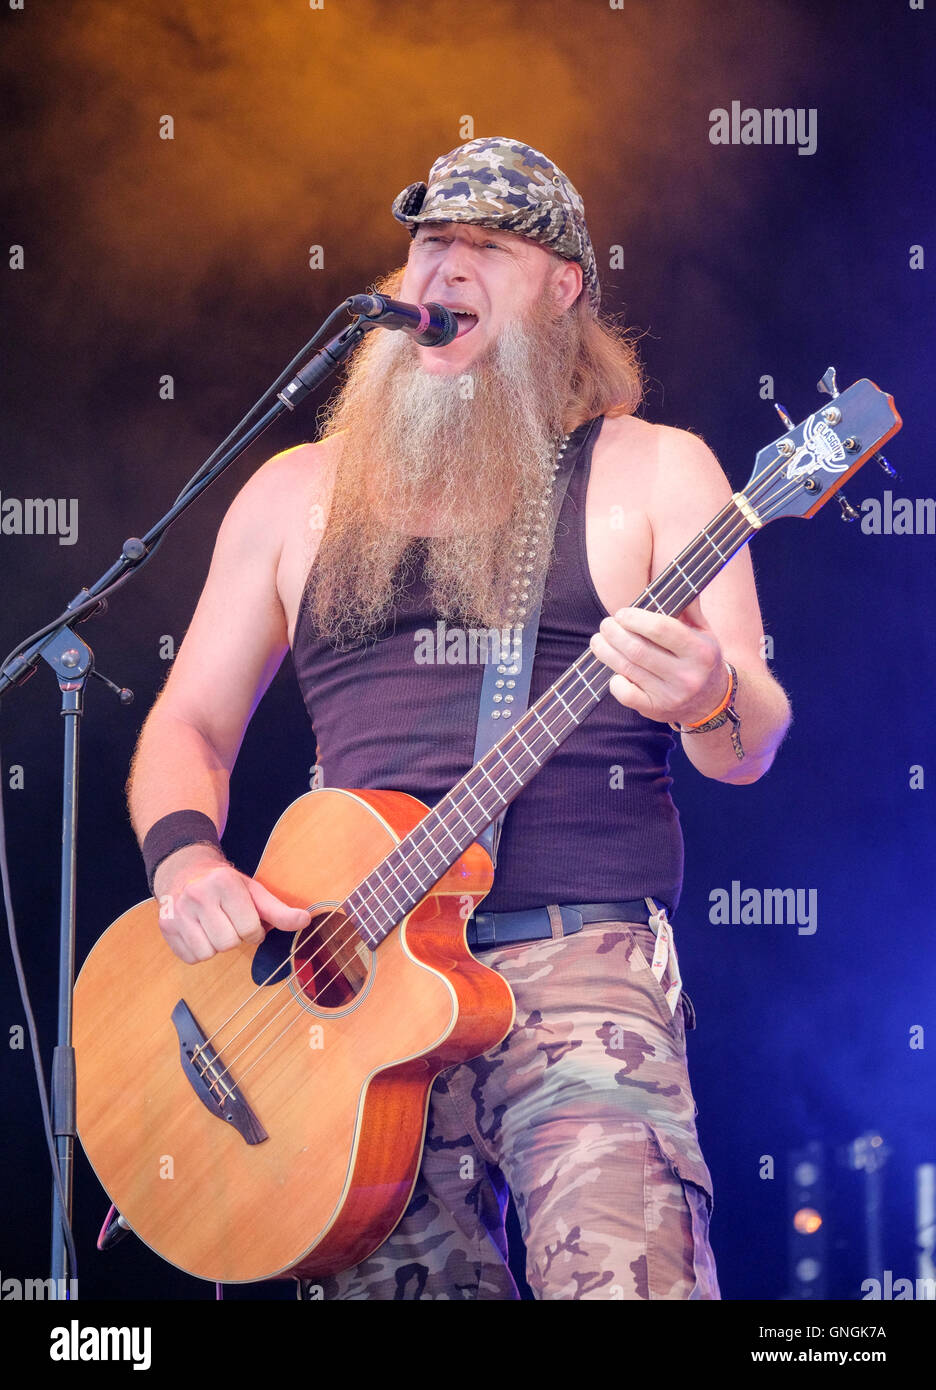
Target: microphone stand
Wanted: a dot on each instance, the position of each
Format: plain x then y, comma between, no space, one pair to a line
72,660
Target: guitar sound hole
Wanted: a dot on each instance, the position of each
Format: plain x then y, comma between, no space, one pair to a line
330,961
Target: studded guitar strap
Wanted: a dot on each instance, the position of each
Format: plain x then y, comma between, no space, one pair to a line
505,690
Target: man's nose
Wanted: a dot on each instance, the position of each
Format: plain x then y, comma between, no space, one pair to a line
456,263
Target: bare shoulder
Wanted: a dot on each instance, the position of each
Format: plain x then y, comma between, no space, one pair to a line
266,515
623,434
664,454
624,455
286,477
294,490
669,476
690,485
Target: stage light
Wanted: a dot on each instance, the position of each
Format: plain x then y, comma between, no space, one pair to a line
807,1221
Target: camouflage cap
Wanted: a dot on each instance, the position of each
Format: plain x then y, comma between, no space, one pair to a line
496,182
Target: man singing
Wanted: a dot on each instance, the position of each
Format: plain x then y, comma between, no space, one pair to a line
422,506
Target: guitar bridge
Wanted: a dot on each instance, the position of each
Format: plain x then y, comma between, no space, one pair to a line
210,1079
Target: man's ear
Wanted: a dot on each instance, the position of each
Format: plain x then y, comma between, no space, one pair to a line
566,283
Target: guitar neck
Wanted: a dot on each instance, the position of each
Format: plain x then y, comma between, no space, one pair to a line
402,879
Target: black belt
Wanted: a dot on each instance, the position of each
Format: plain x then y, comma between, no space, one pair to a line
486,929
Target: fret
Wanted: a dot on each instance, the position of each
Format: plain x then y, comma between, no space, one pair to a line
565,687
661,583
443,826
373,931
564,705
536,714
584,679
370,940
470,788
383,884
462,816
697,563
363,905
400,909
381,926
507,764
481,768
377,883
391,864
421,855
714,546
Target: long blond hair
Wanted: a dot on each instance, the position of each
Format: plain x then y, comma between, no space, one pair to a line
607,377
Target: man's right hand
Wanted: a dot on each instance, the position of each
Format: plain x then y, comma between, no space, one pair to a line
207,906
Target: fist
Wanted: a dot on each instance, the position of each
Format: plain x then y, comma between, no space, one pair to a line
207,906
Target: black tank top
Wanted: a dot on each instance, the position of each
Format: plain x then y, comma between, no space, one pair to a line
596,824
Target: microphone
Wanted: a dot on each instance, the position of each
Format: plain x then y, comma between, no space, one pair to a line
432,325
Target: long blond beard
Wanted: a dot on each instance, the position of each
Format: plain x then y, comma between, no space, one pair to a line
454,465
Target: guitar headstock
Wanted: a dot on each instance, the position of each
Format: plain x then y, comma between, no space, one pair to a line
800,471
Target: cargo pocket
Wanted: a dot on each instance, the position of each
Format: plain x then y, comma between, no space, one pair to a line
696,1182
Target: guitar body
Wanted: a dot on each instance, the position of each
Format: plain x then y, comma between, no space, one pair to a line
337,1080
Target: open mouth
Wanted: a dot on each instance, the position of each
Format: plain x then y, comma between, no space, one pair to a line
465,320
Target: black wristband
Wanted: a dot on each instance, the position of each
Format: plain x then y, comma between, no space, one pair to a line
172,832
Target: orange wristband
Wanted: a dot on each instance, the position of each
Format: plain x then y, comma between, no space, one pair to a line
724,704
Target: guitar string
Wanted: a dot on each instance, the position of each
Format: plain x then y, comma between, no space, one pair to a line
693,585
516,727
323,944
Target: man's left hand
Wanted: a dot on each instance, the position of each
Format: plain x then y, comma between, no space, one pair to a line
668,669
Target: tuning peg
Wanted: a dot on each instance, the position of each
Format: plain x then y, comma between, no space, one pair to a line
880,459
848,511
784,416
827,383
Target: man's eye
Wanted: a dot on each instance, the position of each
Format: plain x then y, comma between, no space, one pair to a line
485,245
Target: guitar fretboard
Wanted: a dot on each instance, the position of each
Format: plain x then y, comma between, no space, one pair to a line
404,877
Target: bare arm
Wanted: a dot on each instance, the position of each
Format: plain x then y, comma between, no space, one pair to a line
191,739
672,669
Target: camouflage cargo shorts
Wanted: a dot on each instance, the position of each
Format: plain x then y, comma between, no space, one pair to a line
585,1112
